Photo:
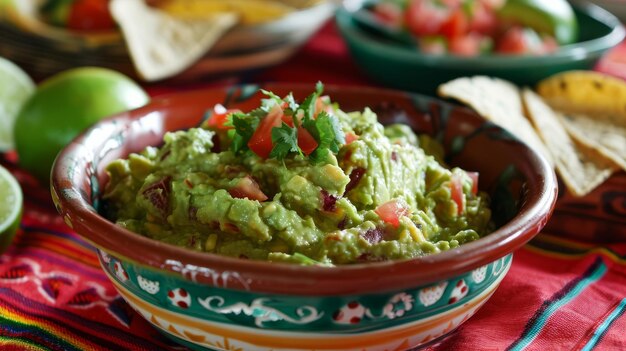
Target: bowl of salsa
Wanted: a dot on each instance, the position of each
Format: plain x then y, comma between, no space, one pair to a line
418,44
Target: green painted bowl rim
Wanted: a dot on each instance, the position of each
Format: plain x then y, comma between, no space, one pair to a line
567,53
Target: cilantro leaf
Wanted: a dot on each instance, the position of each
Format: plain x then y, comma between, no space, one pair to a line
291,103
319,87
308,105
244,126
271,95
285,140
327,130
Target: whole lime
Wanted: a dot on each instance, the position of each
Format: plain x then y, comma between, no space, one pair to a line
65,105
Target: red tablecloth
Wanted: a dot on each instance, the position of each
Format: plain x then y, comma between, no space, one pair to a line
560,294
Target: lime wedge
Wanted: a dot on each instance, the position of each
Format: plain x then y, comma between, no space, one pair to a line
15,88
10,208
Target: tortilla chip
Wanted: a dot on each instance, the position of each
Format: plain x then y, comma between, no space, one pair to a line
250,11
586,92
582,168
609,139
499,102
162,46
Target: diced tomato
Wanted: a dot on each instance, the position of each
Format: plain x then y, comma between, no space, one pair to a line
549,45
389,14
90,15
424,18
455,26
350,137
220,116
288,120
248,188
452,4
483,19
323,104
474,177
467,45
513,42
391,211
492,4
306,142
456,193
261,141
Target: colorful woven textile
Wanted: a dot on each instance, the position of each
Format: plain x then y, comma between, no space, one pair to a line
560,294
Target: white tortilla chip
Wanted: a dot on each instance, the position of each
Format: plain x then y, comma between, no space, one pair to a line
599,133
499,102
581,167
162,46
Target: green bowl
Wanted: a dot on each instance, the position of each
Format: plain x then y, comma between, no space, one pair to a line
394,65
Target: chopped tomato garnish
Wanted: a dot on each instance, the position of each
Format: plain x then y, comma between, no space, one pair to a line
306,142
513,42
350,137
288,120
219,117
391,211
424,18
474,177
466,45
456,25
248,188
323,104
261,141
456,193
483,19
90,15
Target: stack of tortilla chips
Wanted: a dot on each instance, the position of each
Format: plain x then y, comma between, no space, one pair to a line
576,120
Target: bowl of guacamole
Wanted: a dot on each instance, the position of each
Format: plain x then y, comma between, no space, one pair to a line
272,215
305,183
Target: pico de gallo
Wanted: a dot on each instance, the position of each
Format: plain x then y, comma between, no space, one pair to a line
477,27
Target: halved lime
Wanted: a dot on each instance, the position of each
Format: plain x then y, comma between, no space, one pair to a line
10,208
15,88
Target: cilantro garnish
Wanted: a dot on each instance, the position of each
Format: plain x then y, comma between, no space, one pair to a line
244,126
285,140
324,128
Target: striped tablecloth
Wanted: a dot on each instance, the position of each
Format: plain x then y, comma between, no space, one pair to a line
560,294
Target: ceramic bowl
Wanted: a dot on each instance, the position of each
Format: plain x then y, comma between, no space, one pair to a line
398,66
207,301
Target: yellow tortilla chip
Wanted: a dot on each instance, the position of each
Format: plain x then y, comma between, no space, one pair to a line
586,92
582,168
609,139
250,11
162,46
499,102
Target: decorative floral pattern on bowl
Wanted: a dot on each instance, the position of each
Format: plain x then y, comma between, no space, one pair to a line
275,316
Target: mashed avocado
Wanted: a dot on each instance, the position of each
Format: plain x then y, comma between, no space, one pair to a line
375,195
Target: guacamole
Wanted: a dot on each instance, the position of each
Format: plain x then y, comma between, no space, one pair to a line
351,191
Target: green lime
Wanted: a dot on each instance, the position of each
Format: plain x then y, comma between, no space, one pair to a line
10,208
15,88
65,105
